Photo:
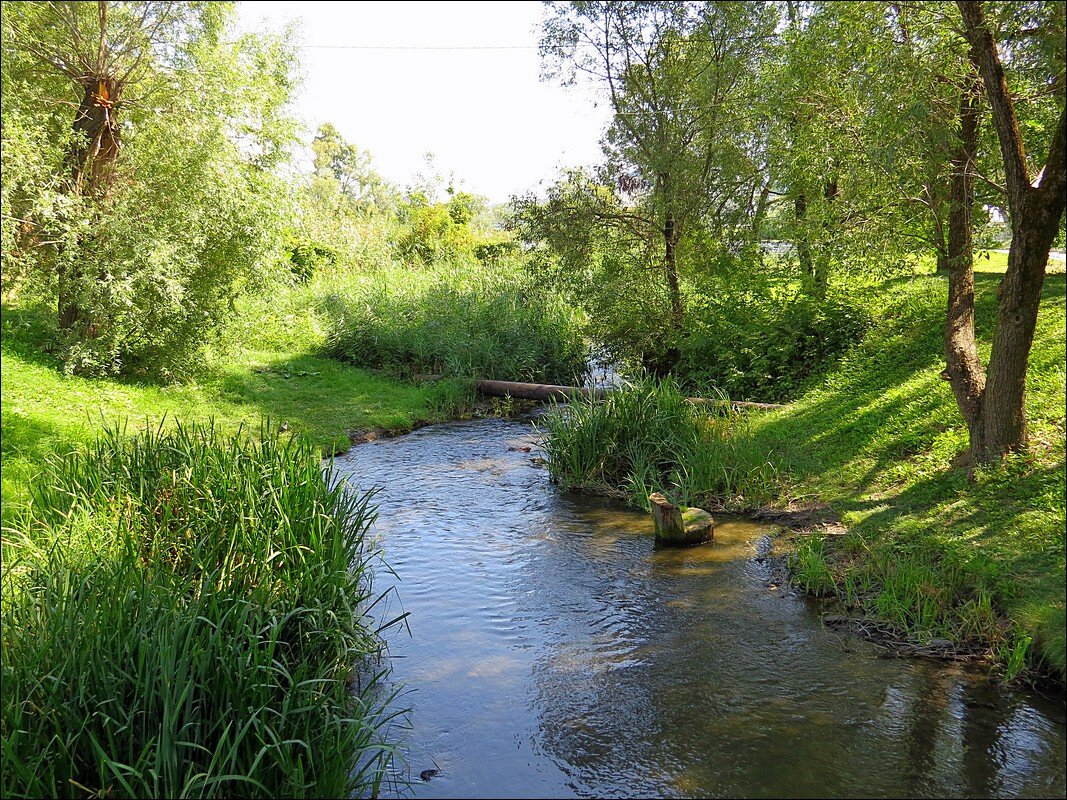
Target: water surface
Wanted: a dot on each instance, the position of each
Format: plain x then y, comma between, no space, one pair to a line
555,652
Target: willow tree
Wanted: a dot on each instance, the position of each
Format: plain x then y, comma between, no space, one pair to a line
102,49
993,402
146,141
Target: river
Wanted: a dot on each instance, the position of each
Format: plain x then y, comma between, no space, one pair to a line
553,651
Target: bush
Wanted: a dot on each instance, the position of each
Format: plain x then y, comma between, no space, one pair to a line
760,347
306,258
650,438
182,616
476,324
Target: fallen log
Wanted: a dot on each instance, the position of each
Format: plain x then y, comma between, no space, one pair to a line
546,392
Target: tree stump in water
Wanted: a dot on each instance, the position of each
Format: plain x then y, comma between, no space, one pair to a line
680,526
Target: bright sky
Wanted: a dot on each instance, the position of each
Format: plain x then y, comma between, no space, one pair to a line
484,113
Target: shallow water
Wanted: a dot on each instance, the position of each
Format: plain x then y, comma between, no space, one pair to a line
554,651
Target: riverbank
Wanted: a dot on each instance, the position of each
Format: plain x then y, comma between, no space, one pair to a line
880,444
929,547
173,535
44,412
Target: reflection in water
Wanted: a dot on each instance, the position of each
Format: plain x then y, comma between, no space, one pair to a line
554,651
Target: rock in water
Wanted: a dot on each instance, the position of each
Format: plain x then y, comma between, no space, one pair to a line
680,525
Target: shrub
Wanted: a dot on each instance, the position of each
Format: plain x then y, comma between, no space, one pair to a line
760,347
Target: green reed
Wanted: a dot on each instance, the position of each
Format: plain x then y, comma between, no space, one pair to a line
482,324
184,616
649,437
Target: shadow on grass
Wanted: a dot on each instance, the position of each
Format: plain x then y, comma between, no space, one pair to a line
29,333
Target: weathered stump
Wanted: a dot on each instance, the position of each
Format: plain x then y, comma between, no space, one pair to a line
679,526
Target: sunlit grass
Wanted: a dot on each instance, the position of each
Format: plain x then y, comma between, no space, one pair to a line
882,441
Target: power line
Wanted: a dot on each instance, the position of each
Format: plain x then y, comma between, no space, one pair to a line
417,47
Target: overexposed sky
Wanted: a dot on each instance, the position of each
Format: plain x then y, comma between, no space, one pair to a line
484,113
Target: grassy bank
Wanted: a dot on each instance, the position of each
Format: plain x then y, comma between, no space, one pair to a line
879,441
183,612
272,372
185,592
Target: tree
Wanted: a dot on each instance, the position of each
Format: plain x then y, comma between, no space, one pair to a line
349,166
676,75
994,403
160,199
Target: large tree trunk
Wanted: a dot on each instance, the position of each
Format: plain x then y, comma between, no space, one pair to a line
963,366
91,160
1035,208
1019,298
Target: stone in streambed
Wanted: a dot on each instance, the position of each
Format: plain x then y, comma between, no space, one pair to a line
679,526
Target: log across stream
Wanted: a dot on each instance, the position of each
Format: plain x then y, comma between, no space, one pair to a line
547,392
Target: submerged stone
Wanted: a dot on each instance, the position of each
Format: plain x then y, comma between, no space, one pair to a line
680,525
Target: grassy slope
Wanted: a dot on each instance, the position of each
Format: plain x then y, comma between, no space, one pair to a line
43,411
881,441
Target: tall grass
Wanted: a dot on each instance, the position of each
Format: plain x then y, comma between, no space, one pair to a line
649,438
184,615
484,323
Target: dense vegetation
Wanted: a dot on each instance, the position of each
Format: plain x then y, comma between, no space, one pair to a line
791,196
183,612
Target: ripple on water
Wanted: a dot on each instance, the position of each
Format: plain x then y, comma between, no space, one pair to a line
554,651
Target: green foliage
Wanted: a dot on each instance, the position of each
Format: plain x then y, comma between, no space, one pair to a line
494,324
760,345
582,241
649,438
197,603
190,210
308,257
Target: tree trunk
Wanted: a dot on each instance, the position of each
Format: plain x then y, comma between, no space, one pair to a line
803,244
95,148
1035,208
91,159
1019,298
963,368
820,266
670,264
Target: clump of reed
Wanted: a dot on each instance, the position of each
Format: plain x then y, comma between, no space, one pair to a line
185,615
649,438
475,324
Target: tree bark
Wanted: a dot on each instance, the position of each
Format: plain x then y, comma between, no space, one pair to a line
91,160
1035,209
963,366
820,267
803,244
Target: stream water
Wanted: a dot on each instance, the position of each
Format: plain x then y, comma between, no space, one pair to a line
554,651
